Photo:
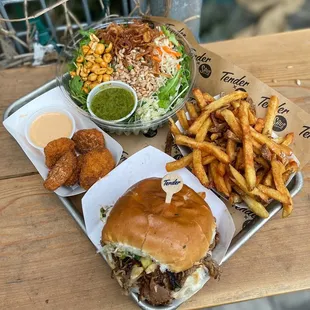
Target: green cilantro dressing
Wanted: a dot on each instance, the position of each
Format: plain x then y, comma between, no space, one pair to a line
112,103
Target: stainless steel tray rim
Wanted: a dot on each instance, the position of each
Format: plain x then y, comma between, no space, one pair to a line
240,239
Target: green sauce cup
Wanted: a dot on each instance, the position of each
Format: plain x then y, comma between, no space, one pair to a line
111,84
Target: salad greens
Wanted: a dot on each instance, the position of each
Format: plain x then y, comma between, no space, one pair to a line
76,91
85,40
76,83
170,36
180,81
168,90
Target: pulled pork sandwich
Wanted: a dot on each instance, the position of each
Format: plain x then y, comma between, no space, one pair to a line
161,251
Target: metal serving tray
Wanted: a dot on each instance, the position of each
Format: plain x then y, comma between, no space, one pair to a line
244,235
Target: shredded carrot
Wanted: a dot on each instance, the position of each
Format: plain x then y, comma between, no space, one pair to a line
158,49
156,58
178,66
171,51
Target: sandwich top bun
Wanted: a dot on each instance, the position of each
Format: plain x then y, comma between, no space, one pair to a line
176,235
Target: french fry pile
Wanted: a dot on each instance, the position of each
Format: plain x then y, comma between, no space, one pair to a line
233,151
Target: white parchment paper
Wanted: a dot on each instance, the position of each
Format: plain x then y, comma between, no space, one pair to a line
15,125
147,163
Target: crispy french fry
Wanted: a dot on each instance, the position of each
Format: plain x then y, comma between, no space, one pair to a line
203,146
278,140
182,119
234,198
268,180
239,160
256,147
235,104
218,179
272,193
218,114
202,133
260,176
221,169
260,160
232,122
252,118
173,128
210,177
259,126
240,181
248,157
288,139
207,159
256,150
231,149
253,205
287,208
215,136
208,98
277,171
180,163
236,112
202,195
286,175
290,168
199,98
228,183
215,105
191,110
271,114
279,150
199,170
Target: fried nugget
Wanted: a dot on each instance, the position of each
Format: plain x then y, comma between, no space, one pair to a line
57,148
96,164
61,171
74,178
87,140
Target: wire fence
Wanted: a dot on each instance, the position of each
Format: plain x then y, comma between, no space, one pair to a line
23,22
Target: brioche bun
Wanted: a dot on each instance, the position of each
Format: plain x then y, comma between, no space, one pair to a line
175,235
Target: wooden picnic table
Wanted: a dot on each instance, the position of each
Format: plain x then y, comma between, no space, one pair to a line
47,262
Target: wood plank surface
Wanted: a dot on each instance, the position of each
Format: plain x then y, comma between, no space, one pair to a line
16,83
47,262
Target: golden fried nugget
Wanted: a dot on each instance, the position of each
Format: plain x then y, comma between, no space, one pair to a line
96,164
55,149
87,140
74,178
61,171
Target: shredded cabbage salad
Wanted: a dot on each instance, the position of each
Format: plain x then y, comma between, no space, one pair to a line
174,63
